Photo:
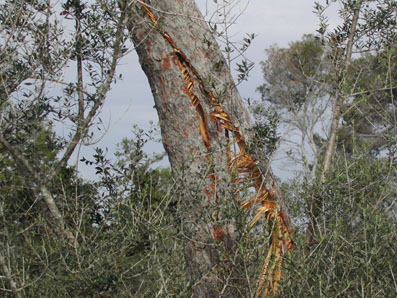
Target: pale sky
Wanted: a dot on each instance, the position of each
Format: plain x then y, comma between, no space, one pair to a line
130,101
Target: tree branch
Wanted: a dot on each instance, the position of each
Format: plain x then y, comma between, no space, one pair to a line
101,93
31,178
339,99
8,276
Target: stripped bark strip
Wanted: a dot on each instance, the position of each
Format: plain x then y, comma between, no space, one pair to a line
247,171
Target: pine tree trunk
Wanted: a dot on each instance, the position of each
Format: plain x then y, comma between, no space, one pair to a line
184,66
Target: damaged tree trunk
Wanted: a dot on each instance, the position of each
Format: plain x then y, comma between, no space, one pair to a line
201,115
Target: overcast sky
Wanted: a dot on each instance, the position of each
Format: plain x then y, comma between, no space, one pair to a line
130,101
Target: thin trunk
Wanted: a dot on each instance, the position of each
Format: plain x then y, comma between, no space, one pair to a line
189,78
339,99
31,179
317,201
8,276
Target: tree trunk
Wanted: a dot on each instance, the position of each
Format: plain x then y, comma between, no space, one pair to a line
329,152
317,201
201,114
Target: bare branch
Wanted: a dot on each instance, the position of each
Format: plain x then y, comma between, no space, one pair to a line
31,178
101,93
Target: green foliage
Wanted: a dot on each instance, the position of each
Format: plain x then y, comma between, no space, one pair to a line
344,227
355,233
126,229
39,145
295,73
371,119
264,129
129,225
29,241
298,84
136,214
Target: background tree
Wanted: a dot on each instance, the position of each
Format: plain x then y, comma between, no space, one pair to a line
369,116
298,86
103,238
44,205
35,53
356,194
129,232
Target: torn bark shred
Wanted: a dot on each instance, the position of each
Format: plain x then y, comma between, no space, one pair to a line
244,165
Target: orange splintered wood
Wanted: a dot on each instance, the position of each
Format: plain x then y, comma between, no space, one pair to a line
248,174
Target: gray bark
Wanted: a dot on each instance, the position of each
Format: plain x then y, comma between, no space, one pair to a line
339,98
205,176
317,201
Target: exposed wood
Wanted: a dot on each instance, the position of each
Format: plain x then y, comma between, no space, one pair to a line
201,115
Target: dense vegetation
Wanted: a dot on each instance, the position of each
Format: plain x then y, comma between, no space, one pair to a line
122,235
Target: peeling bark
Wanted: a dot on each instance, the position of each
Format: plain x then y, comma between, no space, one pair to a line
200,112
